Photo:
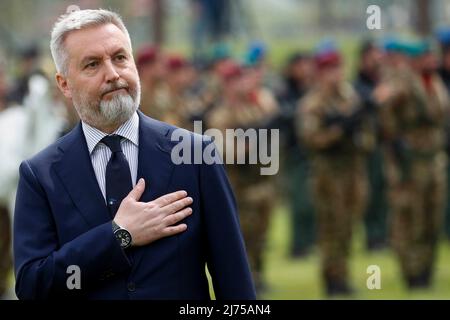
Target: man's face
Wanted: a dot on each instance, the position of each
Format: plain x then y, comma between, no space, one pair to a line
251,79
154,71
397,60
303,70
182,78
236,86
372,59
332,76
102,80
429,63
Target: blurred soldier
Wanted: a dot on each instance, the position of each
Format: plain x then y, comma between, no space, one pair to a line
246,105
259,198
329,124
212,79
5,223
179,104
298,79
29,65
256,56
414,112
366,80
151,66
444,71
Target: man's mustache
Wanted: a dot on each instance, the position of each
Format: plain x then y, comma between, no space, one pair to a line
115,86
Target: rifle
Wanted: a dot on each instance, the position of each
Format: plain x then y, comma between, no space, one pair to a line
350,123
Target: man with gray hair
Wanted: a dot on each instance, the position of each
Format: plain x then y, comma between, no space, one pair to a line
104,213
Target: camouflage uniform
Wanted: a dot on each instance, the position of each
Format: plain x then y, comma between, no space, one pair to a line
296,172
178,109
155,101
254,192
443,37
339,181
413,122
375,217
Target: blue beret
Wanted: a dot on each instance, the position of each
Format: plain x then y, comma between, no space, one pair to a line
256,52
443,36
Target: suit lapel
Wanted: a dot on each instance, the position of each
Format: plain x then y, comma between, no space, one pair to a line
155,164
76,173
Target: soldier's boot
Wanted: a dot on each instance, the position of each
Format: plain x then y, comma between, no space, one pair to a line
297,252
374,244
420,281
336,287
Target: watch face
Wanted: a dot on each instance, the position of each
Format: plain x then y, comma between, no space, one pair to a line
124,238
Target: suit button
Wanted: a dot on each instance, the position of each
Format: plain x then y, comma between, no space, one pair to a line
110,274
131,286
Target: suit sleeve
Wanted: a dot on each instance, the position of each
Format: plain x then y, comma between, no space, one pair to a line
227,258
41,263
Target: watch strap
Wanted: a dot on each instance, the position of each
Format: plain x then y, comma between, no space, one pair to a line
115,226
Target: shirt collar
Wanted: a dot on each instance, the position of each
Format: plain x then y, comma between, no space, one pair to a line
129,130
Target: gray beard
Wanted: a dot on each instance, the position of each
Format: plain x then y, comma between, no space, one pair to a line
113,112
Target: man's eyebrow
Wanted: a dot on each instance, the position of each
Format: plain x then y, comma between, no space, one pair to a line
120,50
94,57
89,58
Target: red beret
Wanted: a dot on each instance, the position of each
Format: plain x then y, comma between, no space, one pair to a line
328,59
147,54
230,70
175,63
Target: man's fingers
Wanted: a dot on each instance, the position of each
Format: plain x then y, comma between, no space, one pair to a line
169,198
176,217
138,190
176,206
170,231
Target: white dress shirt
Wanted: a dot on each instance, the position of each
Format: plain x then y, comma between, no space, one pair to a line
100,153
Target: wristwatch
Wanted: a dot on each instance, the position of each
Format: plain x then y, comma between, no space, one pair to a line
122,236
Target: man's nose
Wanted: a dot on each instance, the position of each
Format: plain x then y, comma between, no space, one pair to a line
111,74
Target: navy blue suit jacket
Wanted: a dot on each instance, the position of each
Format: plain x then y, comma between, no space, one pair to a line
61,219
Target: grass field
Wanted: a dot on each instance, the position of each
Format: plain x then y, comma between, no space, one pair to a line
300,278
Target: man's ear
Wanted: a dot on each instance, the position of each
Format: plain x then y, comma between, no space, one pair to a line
63,85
